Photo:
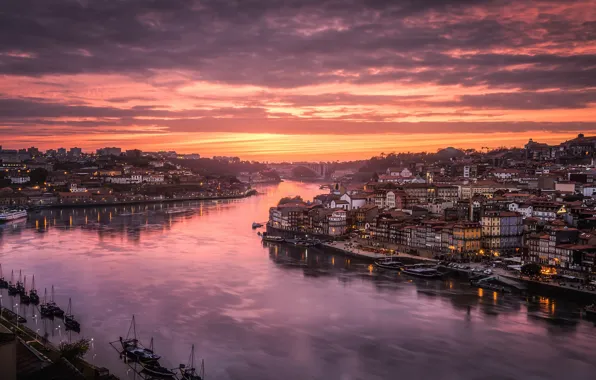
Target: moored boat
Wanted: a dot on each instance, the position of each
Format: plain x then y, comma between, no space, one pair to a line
423,272
256,225
23,293
132,348
3,282
188,371
389,263
8,214
155,369
56,310
45,309
33,296
12,288
273,238
69,319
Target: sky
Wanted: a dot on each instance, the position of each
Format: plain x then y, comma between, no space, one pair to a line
295,79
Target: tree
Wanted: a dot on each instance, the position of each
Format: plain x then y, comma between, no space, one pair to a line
74,350
531,269
286,200
38,176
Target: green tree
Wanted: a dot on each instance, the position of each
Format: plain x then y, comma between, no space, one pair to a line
531,269
74,350
285,200
38,176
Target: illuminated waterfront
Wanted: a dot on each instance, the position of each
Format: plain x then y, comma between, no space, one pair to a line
259,311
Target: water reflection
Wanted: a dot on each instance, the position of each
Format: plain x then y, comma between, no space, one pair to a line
267,311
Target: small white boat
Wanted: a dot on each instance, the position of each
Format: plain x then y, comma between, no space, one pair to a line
7,214
273,239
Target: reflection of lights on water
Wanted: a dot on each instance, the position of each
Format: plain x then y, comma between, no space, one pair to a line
480,292
370,268
495,296
333,260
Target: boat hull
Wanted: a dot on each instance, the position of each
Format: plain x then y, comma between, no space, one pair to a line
429,275
157,370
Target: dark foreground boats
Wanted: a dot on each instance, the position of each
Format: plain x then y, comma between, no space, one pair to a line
389,263
12,288
45,309
189,372
33,296
155,369
3,282
23,294
132,348
69,320
50,309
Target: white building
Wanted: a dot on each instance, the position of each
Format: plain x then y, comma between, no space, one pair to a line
526,210
20,180
399,172
354,201
153,178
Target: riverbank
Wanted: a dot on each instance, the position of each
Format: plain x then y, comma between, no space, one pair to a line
48,354
147,201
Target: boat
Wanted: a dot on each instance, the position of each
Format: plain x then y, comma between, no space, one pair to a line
189,372
389,263
69,320
20,287
45,309
3,282
132,348
12,288
256,225
590,311
8,214
176,211
153,368
56,310
23,294
273,238
422,272
33,296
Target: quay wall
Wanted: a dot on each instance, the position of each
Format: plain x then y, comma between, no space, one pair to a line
148,201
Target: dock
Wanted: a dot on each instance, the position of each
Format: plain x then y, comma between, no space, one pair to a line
350,250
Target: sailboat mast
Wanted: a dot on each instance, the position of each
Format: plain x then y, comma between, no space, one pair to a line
33,283
12,276
25,283
45,295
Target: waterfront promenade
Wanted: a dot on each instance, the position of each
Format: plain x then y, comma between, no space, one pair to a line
355,248
152,200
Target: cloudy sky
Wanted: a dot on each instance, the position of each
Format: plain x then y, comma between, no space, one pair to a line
295,79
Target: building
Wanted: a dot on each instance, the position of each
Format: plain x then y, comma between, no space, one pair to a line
553,247
467,237
19,180
502,232
113,151
337,223
75,152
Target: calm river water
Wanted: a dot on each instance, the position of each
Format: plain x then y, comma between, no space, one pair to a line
275,312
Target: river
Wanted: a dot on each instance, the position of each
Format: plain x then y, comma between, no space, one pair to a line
258,311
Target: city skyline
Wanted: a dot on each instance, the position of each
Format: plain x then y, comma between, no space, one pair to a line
301,80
